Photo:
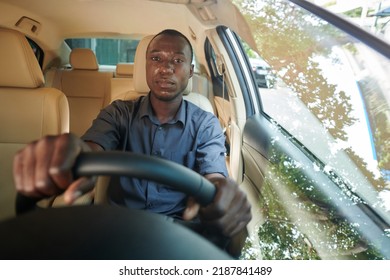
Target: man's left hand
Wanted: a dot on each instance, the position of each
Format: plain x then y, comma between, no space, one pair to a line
230,211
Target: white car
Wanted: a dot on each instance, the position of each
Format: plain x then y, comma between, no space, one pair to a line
262,72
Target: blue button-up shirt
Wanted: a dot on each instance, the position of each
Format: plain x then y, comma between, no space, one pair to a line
194,138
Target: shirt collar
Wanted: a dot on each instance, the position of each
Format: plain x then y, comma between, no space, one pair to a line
146,110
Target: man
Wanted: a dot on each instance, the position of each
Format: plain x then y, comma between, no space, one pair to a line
161,124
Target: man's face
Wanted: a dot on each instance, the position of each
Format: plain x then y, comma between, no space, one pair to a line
168,66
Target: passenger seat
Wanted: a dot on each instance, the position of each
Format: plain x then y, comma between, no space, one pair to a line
122,85
28,110
87,88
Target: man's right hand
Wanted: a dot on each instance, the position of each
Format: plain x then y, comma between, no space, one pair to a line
44,167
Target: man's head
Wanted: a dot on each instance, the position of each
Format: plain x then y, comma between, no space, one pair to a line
168,64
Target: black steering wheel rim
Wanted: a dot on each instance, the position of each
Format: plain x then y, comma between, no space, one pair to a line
146,167
110,232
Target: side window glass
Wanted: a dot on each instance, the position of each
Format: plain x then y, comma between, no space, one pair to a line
37,51
329,94
221,95
329,82
217,76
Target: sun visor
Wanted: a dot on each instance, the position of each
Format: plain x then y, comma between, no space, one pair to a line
224,12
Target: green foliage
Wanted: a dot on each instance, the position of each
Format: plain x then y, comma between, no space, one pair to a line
291,40
355,13
302,222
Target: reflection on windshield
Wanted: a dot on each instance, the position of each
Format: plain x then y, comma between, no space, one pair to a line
302,221
332,96
336,80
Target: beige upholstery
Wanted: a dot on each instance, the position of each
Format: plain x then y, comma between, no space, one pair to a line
140,84
83,59
124,70
28,111
197,98
122,86
88,90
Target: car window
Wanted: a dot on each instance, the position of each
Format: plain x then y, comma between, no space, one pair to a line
38,52
330,93
108,51
330,82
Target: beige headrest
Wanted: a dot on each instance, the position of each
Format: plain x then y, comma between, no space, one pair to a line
124,70
188,89
83,59
140,84
18,65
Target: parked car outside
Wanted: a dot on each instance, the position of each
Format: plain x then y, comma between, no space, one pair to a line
263,73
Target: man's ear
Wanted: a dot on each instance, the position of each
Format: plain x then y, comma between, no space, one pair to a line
191,70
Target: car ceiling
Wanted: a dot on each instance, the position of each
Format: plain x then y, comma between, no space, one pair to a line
64,18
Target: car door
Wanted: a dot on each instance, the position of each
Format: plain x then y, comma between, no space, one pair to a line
314,148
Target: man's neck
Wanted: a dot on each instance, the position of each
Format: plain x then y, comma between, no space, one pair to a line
165,111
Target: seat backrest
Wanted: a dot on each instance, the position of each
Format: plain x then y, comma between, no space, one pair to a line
122,85
141,86
124,70
139,76
198,99
88,90
28,111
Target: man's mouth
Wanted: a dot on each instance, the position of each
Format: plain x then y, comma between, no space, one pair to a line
165,83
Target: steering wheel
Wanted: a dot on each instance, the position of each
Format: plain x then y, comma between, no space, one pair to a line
111,232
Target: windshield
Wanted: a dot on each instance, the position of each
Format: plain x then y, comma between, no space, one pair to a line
331,94
332,83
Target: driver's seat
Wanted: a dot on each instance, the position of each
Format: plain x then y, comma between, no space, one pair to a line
28,110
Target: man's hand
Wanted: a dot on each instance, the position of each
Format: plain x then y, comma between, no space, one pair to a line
44,168
230,211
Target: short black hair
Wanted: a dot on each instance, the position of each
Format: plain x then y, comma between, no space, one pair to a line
173,32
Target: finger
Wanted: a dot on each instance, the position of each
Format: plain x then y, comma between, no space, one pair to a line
225,193
28,170
78,188
65,152
191,210
236,218
237,221
240,215
18,171
233,226
43,153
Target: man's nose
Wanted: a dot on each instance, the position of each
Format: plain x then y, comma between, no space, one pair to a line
167,67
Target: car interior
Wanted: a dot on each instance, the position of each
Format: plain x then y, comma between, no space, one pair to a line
311,197
71,86
45,110
81,81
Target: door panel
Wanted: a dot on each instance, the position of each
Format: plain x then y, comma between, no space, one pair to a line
307,213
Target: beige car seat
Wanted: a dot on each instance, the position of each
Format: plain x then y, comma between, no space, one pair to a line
28,111
122,86
88,90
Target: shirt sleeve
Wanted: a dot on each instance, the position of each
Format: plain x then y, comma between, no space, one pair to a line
211,151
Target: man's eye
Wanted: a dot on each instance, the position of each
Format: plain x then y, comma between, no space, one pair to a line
178,60
155,58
